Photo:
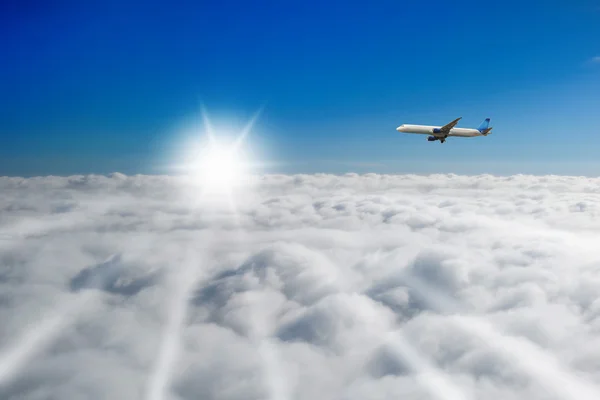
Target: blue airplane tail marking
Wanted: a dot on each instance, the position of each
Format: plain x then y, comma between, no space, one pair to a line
484,125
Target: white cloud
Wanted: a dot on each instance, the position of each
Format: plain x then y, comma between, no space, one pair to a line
595,60
320,286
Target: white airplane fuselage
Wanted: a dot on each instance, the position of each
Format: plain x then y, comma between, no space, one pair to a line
430,130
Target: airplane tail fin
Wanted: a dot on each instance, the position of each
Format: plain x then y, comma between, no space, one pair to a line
484,125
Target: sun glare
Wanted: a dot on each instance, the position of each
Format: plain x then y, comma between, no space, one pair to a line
215,160
219,168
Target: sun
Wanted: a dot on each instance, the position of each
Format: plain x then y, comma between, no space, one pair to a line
216,160
219,168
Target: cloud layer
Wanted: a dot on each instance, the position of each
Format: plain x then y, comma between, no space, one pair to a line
302,287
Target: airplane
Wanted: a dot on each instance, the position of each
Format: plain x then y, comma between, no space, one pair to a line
442,132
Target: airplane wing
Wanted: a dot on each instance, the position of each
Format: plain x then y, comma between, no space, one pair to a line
446,128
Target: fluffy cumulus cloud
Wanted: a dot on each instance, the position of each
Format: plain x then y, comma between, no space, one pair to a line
438,287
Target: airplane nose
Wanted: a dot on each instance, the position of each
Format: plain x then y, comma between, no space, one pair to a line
399,129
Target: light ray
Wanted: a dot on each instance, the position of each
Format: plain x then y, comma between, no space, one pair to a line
13,360
431,378
52,325
207,125
240,139
427,375
183,286
541,365
276,381
236,145
272,368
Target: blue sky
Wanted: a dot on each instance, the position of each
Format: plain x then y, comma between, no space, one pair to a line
100,87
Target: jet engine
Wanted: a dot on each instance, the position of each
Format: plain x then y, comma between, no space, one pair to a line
431,138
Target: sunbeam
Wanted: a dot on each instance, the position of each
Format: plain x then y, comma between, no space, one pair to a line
42,334
33,342
207,125
272,368
531,359
242,136
528,357
182,284
274,374
275,379
430,378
